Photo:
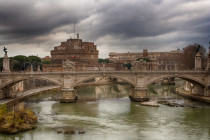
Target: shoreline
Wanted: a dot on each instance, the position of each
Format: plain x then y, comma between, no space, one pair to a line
181,92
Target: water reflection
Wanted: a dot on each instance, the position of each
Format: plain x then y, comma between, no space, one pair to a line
166,93
105,91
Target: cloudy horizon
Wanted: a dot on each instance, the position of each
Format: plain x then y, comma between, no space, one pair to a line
34,27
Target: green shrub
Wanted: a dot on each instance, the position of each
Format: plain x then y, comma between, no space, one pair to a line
3,109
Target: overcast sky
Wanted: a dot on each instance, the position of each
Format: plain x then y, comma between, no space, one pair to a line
34,27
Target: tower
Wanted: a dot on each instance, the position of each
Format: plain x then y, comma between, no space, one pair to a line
145,53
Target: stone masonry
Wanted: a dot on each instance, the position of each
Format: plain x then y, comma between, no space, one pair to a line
140,80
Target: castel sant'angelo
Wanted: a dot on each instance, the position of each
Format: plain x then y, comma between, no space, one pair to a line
81,55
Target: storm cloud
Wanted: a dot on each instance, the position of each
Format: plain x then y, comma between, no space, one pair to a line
36,26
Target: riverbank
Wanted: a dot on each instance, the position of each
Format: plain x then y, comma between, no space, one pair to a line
23,95
184,93
16,120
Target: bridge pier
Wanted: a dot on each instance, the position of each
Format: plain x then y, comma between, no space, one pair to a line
139,94
68,95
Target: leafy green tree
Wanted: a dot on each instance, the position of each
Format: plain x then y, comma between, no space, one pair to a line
101,60
144,59
34,59
46,62
20,58
19,62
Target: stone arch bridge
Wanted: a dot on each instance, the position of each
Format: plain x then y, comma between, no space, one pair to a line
140,80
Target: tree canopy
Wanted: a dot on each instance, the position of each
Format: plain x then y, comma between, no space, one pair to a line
187,56
46,62
34,59
144,59
21,62
101,60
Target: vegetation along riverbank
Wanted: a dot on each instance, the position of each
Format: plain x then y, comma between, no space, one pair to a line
16,119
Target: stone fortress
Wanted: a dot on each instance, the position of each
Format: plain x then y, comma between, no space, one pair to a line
73,53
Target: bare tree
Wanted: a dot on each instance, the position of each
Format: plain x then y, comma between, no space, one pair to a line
187,57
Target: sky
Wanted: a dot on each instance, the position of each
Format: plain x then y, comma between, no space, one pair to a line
35,27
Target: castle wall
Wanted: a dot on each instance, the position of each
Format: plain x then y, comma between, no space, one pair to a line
82,53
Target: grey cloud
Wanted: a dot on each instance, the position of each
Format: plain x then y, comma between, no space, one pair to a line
131,19
142,19
129,24
31,18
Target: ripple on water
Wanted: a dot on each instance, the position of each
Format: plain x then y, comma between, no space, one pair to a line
115,124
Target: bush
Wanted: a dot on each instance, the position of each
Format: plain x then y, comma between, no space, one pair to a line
3,109
46,62
100,60
144,59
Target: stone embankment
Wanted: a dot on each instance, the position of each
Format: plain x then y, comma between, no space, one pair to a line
182,92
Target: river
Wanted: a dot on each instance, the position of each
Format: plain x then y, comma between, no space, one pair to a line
106,113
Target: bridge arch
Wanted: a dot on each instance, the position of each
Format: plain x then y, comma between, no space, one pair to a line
188,78
16,80
112,76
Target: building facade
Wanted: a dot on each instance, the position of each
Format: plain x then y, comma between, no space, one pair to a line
157,60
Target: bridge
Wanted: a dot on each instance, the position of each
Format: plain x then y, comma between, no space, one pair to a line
139,80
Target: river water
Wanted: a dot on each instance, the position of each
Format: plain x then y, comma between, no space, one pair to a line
106,113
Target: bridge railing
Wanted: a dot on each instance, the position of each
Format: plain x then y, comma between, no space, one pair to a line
102,71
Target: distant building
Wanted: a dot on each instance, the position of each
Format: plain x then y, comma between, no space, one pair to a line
46,58
158,60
